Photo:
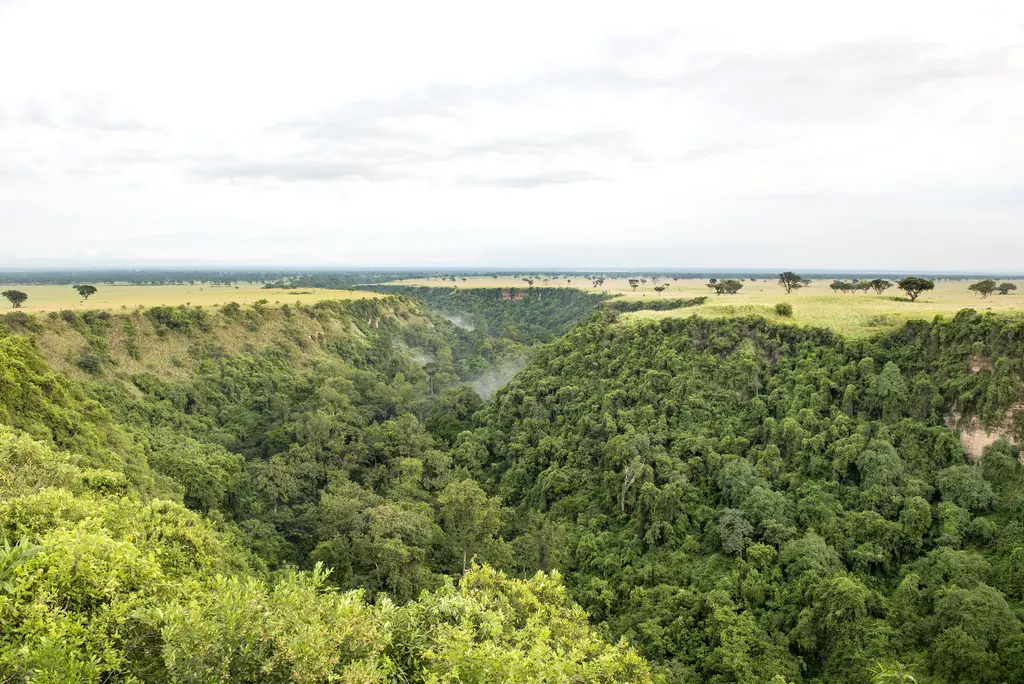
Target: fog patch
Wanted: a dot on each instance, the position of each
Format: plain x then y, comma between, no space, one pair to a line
421,357
459,321
496,378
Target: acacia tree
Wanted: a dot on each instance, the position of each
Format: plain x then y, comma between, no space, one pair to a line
15,297
840,286
86,291
633,283
880,285
659,289
790,281
725,286
1005,288
731,286
983,287
914,286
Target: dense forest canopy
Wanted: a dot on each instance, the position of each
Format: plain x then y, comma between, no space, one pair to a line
528,314
316,493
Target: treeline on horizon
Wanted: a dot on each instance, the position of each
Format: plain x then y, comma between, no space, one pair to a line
346,278
739,501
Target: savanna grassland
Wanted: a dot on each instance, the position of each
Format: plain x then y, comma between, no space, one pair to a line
858,314
117,297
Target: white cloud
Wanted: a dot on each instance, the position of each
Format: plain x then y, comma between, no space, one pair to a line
577,133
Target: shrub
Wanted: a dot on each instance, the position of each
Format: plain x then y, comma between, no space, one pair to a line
18,321
90,363
178,319
784,309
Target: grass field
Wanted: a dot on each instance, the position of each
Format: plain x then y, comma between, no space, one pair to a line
117,297
855,315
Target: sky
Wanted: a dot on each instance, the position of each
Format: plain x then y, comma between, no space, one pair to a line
867,135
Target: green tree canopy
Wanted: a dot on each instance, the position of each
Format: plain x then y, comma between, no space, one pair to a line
983,287
914,286
790,281
15,297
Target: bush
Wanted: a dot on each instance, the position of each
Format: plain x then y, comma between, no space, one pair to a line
784,309
180,319
90,363
653,305
18,321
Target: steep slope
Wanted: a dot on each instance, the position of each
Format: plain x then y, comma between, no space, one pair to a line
743,500
528,315
299,444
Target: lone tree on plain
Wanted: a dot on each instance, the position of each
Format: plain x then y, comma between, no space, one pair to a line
15,297
659,289
1005,288
983,287
633,283
790,281
915,286
880,285
86,291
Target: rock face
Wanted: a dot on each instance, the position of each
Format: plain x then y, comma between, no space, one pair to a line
974,436
512,295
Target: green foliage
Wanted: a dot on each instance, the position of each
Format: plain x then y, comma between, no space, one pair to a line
784,309
915,286
721,287
983,287
241,630
181,319
47,406
744,501
625,305
880,285
15,297
469,517
1006,288
790,281
85,291
490,628
526,316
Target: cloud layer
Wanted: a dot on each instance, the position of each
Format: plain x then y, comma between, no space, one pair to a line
577,135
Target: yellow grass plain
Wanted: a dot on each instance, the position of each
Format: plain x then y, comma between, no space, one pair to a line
855,315
121,297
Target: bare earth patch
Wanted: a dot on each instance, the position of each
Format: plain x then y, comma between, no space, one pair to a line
974,436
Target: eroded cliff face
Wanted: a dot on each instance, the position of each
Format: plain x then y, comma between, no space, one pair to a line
974,435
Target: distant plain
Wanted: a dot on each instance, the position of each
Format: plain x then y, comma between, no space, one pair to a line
117,297
858,314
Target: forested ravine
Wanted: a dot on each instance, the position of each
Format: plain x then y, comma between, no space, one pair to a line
316,493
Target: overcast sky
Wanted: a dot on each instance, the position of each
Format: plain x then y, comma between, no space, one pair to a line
859,135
